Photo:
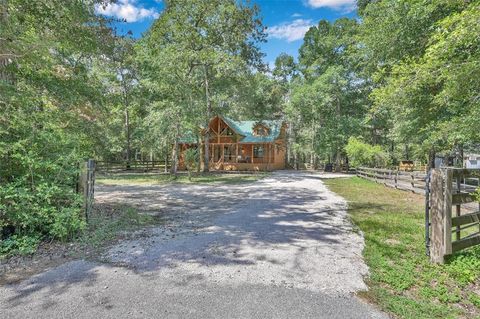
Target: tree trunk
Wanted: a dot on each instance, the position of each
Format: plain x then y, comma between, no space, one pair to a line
200,153
338,161
127,126
295,160
127,136
166,160
431,158
338,158
4,61
209,116
287,146
174,167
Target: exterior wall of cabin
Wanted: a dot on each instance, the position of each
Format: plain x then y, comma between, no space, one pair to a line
241,157
226,153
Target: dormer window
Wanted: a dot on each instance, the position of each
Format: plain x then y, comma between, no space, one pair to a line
227,132
261,130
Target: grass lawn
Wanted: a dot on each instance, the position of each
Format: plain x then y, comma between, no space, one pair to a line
156,179
402,280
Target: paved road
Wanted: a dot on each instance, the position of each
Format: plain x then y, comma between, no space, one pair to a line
281,247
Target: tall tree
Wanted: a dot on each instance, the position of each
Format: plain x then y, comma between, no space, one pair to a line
49,100
433,99
328,102
396,35
285,71
212,41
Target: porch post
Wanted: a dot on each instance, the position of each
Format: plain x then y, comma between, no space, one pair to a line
273,152
251,160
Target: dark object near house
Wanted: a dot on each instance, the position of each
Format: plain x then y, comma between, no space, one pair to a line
7,231
329,167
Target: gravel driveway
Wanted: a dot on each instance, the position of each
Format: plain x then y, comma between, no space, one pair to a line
281,247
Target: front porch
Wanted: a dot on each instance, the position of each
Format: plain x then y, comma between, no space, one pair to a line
240,156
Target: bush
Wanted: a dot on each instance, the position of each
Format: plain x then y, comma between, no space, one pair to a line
362,154
191,156
16,244
48,210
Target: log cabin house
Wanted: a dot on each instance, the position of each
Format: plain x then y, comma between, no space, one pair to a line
241,145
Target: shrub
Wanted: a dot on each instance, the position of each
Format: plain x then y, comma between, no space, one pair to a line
17,244
191,160
362,154
47,210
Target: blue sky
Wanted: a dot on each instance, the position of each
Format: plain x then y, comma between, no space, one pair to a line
287,20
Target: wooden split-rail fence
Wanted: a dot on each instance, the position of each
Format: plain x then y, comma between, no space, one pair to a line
131,166
452,211
410,181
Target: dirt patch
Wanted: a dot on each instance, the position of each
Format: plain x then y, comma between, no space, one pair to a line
109,225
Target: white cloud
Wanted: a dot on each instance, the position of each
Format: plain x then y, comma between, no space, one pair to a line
291,31
347,5
296,15
126,9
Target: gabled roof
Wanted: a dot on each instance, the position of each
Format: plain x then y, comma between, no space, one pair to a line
245,129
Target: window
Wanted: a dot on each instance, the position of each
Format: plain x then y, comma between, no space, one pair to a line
260,131
229,153
227,132
258,151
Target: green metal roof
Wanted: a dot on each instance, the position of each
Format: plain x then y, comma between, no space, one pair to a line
245,129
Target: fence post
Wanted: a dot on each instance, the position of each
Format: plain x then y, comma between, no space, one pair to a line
396,178
458,206
86,185
427,212
448,211
440,218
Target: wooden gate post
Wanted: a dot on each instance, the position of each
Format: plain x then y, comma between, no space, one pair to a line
448,211
86,185
441,214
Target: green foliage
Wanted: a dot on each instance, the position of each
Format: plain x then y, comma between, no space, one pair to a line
17,244
477,194
362,154
45,210
50,100
423,57
404,77
191,157
327,101
195,60
465,266
402,279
